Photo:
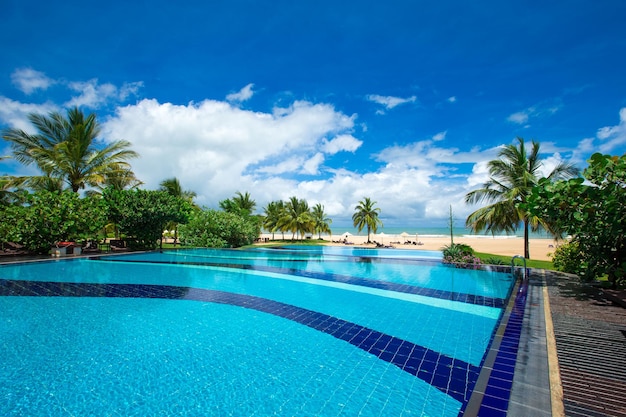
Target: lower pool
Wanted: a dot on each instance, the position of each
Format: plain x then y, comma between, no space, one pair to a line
320,332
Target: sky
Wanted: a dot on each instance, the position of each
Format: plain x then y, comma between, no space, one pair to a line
403,102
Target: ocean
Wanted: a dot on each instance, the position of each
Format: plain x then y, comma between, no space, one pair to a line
429,232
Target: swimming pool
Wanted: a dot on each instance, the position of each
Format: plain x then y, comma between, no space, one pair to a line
291,331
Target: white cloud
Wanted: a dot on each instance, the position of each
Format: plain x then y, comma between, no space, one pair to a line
440,136
520,117
28,80
311,166
389,102
612,137
216,149
341,143
539,110
15,114
242,95
452,99
94,95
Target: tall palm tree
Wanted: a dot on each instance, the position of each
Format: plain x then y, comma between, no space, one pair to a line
511,179
272,213
366,215
321,222
172,187
296,217
241,204
66,148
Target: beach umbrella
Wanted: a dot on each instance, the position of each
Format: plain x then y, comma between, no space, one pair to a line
404,235
382,235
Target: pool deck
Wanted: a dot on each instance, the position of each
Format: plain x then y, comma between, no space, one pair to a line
590,333
570,357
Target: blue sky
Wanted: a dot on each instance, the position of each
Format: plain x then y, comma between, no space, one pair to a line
400,101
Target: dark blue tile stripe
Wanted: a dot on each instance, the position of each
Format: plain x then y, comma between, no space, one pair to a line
454,377
370,283
498,392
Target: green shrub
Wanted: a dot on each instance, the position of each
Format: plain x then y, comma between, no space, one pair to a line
460,254
567,258
218,229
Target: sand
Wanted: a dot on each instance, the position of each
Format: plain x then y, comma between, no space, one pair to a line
540,249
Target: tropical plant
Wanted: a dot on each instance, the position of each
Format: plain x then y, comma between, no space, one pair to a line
321,223
272,213
50,217
121,178
241,204
512,178
296,217
593,215
366,215
460,254
143,215
172,187
218,229
66,149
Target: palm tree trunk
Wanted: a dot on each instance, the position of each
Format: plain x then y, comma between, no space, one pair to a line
526,243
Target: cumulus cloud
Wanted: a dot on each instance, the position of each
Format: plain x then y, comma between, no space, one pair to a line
242,95
389,102
611,137
92,94
15,114
217,149
341,143
29,80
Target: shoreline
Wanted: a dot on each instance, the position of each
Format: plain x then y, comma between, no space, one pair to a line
540,249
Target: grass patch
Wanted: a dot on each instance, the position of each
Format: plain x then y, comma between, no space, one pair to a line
506,260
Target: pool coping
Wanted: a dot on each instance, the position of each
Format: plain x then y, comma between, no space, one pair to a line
530,384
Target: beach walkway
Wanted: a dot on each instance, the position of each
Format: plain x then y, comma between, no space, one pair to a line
590,334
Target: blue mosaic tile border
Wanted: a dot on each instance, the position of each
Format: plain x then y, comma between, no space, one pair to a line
453,377
495,401
346,279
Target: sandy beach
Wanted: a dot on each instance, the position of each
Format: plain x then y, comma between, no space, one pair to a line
540,249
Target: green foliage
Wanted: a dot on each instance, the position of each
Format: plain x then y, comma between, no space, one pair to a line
320,221
143,215
366,214
506,260
567,258
593,215
511,179
50,217
460,254
493,260
296,217
66,150
218,229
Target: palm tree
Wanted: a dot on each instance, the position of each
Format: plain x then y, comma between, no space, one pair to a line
296,217
241,204
272,214
321,222
66,148
366,215
511,179
172,187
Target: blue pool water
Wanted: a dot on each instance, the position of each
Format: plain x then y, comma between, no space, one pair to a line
330,331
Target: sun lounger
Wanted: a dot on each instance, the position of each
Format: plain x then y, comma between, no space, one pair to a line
118,245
